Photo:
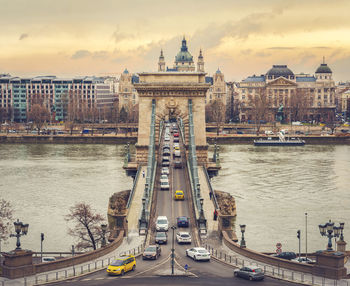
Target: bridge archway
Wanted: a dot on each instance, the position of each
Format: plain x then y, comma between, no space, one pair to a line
171,91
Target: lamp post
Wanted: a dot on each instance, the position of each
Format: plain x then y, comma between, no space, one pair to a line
242,226
103,229
173,250
306,235
330,230
298,236
19,227
201,200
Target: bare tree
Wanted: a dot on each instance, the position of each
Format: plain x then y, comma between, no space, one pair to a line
6,218
218,114
39,115
72,112
299,104
87,227
330,120
259,104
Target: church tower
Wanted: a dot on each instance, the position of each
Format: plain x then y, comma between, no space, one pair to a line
161,62
200,63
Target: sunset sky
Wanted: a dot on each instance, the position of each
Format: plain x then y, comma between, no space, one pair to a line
84,37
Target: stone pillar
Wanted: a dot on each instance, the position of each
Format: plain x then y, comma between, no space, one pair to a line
18,263
341,246
330,264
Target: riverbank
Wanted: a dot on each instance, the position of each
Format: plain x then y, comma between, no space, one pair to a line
67,139
249,139
132,139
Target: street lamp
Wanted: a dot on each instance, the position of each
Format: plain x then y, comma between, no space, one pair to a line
19,227
242,226
173,250
103,229
330,230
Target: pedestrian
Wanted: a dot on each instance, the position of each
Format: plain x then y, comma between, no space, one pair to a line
211,194
143,173
215,214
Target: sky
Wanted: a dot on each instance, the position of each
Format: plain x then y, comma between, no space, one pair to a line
241,37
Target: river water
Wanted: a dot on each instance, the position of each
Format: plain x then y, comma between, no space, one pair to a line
43,181
273,187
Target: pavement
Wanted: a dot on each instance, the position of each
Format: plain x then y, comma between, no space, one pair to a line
136,204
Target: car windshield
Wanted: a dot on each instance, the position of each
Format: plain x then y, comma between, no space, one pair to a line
161,234
182,218
162,221
164,183
179,193
202,251
117,263
185,235
151,249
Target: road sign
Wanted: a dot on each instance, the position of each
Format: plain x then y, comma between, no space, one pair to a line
278,250
186,267
279,245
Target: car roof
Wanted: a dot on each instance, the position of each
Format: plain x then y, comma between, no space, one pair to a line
162,217
179,191
182,217
183,232
199,248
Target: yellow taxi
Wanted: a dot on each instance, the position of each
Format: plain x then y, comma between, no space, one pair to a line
122,265
179,195
176,148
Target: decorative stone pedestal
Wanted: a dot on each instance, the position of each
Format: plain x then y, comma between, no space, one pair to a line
341,246
330,264
18,263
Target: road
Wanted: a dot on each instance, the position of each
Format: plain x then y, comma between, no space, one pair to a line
151,272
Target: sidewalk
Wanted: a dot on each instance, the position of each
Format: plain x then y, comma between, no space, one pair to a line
208,205
136,204
224,254
130,245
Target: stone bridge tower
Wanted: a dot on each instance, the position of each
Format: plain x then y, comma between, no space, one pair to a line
171,91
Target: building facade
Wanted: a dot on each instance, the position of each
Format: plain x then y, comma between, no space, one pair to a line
302,96
17,95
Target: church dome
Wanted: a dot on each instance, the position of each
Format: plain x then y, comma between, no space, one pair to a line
184,55
323,68
280,70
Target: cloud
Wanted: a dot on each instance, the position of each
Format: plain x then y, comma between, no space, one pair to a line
281,48
23,36
119,35
81,54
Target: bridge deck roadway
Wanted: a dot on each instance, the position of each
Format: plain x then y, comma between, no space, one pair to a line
136,204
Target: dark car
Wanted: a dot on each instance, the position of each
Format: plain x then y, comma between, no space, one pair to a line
178,164
182,221
151,252
161,237
250,273
286,255
176,139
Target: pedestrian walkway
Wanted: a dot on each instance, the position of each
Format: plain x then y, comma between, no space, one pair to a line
208,205
225,254
135,209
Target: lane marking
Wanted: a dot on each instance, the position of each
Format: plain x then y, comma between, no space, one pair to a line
153,267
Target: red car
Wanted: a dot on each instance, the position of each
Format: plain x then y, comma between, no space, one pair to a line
176,134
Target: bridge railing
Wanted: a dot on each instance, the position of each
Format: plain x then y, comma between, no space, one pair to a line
150,175
193,172
216,205
133,187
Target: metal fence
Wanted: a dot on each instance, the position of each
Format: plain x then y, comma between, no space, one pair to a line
216,205
273,271
133,187
72,271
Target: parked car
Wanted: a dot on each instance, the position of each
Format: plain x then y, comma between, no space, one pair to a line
182,221
268,132
122,265
151,252
298,132
161,237
286,255
48,259
162,223
198,253
250,273
183,237
304,260
297,123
